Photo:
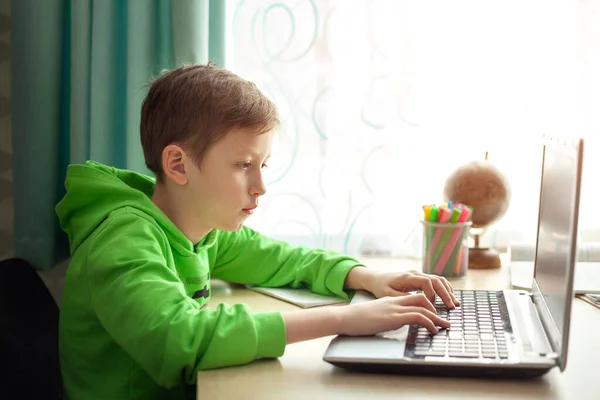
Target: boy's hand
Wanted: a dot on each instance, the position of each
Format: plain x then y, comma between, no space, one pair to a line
388,314
383,284
369,318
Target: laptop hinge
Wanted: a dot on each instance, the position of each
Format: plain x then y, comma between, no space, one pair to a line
552,355
532,336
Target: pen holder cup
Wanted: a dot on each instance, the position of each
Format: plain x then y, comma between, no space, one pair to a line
446,248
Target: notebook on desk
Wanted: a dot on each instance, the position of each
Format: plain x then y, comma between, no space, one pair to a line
587,267
586,278
301,297
506,333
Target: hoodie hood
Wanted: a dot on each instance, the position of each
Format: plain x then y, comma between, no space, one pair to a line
95,190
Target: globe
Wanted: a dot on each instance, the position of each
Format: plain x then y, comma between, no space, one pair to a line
481,185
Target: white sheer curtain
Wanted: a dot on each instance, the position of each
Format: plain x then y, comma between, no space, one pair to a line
381,100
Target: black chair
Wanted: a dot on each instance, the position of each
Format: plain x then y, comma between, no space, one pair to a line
29,363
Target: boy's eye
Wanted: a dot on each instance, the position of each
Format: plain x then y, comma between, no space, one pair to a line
246,165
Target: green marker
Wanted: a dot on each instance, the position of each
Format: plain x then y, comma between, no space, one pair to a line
455,214
434,214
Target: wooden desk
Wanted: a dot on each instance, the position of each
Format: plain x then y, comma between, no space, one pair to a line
302,374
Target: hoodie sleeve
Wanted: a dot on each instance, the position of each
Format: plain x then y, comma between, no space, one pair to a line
248,257
142,304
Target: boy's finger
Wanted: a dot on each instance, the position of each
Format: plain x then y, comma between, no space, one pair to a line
444,323
442,292
447,284
396,293
436,319
418,300
419,319
424,283
450,290
432,316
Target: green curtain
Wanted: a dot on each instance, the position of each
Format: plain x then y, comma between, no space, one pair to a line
80,70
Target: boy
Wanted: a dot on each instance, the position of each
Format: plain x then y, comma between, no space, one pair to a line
133,323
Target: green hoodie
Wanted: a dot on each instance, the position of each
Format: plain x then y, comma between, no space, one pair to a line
132,323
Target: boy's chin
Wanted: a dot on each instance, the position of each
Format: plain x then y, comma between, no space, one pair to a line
232,227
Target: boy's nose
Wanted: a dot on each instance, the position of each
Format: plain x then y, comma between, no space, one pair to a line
259,188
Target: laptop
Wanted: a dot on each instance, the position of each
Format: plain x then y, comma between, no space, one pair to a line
505,333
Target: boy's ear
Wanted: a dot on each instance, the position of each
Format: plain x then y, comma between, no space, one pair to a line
173,164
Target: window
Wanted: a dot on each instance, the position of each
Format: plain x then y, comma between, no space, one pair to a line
382,100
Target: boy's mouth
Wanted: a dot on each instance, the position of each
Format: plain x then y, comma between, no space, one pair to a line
250,210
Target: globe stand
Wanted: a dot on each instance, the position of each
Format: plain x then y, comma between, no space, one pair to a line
483,257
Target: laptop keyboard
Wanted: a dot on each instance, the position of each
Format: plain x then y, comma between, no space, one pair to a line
478,329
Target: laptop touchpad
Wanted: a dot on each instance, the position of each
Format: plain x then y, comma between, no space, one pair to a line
385,345
365,348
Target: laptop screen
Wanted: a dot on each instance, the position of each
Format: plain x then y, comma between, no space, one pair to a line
557,228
